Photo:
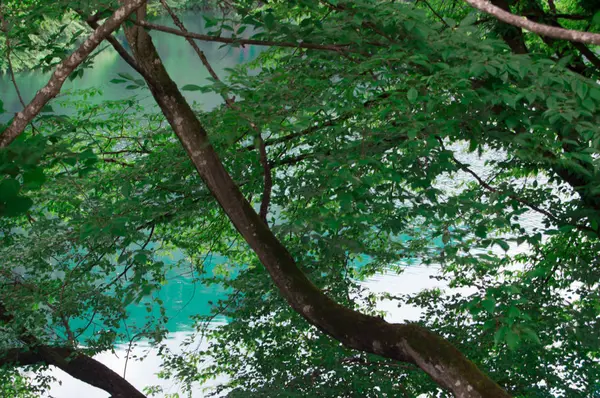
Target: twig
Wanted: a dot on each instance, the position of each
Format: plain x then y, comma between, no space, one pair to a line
93,23
197,49
262,150
436,13
532,206
227,40
11,70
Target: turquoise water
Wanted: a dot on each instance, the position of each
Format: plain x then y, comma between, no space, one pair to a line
182,295
178,56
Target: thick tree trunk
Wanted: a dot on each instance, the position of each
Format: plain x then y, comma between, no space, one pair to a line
403,342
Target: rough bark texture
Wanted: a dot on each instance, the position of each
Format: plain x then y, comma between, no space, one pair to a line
64,69
403,342
81,367
540,29
76,364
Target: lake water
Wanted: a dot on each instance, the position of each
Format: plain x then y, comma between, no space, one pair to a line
181,296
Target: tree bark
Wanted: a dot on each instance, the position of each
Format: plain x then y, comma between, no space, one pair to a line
76,364
81,367
403,342
540,29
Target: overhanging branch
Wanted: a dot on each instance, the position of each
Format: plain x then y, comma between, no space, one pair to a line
540,29
403,342
243,42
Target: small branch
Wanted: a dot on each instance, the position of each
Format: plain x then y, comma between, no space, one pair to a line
11,70
64,69
313,46
532,206
436,13
93,23
264,160
199,52
128,267
589,54
538,28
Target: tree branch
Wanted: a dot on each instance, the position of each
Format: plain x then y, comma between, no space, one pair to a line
403,342
540,29
11,70
262,150
76,364
63,71
243,42
93,23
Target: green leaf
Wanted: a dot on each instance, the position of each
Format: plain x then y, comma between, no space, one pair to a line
530,334
269,21
589,104
512,339
191,87
126,76
596,19
499,335
17,206
9,188
412,94
477,70
514,312
34,178
505,246
118,81
469,20
489,305
580,88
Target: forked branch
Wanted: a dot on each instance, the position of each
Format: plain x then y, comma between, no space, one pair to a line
402,342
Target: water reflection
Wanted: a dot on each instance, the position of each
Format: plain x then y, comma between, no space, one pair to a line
179,58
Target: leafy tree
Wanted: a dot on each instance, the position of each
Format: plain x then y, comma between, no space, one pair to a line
342,134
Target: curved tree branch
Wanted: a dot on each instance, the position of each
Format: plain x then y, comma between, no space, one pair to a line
76,364
63,71
80,366
540,29
403,342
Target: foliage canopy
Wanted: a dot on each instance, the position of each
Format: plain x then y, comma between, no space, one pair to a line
396,135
